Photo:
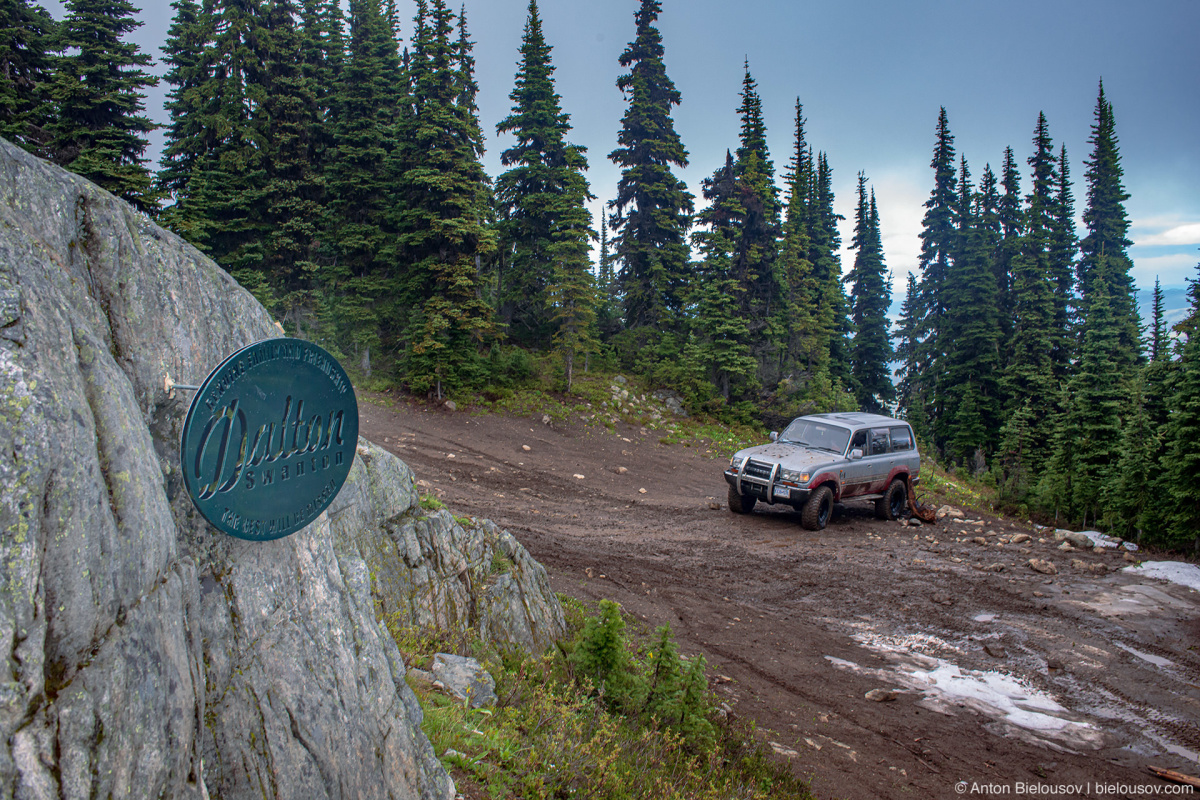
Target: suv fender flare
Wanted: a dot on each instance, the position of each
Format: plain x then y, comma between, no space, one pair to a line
897,472
830,478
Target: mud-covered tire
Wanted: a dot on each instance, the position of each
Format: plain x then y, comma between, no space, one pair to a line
894,501
818,510
740,503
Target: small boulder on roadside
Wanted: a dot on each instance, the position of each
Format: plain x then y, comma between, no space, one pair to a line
950,511
882,695
1043,566
994,650
1079,540
464,678
1020,538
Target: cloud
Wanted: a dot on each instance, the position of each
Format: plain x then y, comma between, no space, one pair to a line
1172,269
1170,234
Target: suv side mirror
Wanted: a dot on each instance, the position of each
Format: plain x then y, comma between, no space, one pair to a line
774,435
856,454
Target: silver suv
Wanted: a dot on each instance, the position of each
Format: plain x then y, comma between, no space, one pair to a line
826,458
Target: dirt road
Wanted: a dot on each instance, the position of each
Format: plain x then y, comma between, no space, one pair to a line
1003,676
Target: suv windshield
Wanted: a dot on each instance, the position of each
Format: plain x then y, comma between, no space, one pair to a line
817,435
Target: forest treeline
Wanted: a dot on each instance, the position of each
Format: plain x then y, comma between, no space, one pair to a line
332,166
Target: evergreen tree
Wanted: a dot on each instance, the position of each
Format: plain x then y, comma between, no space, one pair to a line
759,227
651,213
871,348
442,236
1060,261
98,129
1131,494
1158,327
359,285
186,52
1012,228
26,33
824,242
724,343
909,352
1092,432
1107,225
541,195
1181,463
939,236
220,210
972,353
608,312
806,340
1029,379
291,201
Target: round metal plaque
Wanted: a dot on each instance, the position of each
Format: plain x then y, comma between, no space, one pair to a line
269,439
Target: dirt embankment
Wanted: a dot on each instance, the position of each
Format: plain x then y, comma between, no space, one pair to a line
1001,675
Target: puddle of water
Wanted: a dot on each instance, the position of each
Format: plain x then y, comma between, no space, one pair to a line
1157,661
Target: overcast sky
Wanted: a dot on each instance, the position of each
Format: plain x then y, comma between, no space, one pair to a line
872,75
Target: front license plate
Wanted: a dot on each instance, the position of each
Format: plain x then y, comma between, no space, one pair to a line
781,491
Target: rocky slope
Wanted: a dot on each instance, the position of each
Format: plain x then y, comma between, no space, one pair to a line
146,655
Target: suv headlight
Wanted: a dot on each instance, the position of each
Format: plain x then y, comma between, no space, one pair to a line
792,476
734,462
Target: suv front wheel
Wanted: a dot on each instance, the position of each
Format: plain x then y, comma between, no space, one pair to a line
818,509
740,503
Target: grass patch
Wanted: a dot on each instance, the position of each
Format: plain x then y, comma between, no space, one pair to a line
553,734
431,503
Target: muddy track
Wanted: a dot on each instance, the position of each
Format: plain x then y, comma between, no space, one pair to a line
798,626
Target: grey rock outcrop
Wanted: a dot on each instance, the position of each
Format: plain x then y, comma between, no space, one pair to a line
146,655
464,678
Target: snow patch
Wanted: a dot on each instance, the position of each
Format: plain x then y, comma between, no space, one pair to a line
984,617
946,687
1173,571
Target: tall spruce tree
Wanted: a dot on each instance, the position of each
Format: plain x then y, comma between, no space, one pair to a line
608,312
99,129
221,212
1012,228
806,340
186,52
939,237
723,339
1107,224
1060,261
1181,462
540,195
911,371
26,34
1091,429
359,282
651,213
870,295
824,242
1029,379
442,234
289,120
757,242
972,354
1158,326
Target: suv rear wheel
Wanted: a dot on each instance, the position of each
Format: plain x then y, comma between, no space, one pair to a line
894,501
818,509
740,503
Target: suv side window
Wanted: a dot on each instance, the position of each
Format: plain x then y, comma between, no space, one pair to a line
901,439
879,441
859,441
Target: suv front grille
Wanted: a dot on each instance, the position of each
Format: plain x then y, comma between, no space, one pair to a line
756,469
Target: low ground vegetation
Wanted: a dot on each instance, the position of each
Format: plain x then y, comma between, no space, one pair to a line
606,714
